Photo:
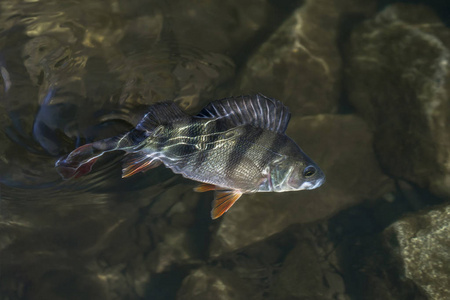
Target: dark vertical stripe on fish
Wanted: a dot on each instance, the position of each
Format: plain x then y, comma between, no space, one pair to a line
162,139
275,147
184,142
207,144
237,154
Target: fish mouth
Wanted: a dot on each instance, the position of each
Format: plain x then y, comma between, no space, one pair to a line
319,182
308,185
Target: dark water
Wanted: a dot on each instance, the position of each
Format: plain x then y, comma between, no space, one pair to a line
78,71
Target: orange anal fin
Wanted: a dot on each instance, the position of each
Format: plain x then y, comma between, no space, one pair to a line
205,187
132,169
223,201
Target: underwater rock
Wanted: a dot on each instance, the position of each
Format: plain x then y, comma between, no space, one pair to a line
297,263
56,242
368,260
300,63
398,79
307,273
302,276
108,239
215,283
222,27
66,284
420,242
198,74
170,222
352,173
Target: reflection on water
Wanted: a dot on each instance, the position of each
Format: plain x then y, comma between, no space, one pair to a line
73,72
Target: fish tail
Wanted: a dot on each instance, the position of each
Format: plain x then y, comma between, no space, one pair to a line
79,162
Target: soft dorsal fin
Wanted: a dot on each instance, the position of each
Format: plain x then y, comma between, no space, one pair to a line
161,113
257,110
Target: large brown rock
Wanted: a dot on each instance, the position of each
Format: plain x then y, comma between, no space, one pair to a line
342,146
421,244
398,79
300,63
215,283
223,27
306,273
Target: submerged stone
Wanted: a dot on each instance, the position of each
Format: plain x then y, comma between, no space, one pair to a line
398,79
198,74
214,283
218,26
421,243
306,273
368,258
298,263
300,62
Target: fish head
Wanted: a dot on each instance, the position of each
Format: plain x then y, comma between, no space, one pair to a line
294,174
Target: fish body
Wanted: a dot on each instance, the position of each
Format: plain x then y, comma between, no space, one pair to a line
233,146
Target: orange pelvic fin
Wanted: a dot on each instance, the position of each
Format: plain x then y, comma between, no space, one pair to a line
205,187
223,201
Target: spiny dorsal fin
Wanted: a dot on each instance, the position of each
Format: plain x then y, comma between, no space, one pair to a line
161,113
257,110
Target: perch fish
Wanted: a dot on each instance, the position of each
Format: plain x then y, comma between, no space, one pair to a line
234,146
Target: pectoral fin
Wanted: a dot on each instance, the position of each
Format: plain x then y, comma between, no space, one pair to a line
136,163
223,201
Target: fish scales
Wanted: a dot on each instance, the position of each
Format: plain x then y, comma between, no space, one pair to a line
238,152
202,156
233,146
238,155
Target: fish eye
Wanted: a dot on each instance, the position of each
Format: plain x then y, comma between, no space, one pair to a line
309,171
